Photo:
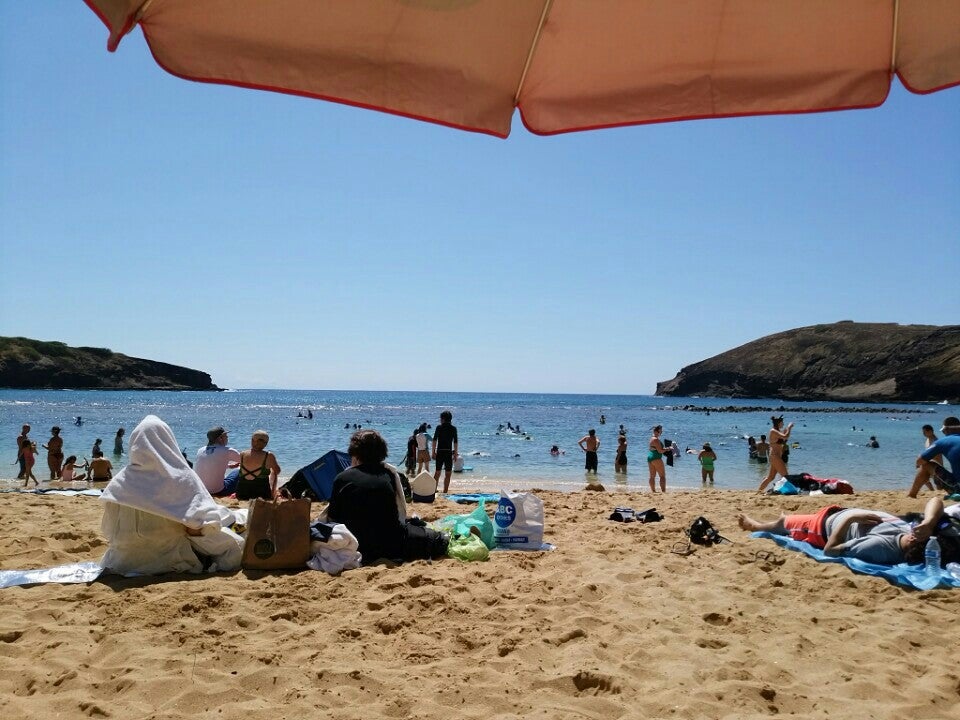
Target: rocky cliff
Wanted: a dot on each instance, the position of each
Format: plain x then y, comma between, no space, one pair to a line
32,364
842,361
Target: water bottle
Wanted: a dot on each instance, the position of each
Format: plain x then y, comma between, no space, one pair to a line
931,556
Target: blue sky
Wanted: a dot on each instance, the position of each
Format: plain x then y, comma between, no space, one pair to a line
276,241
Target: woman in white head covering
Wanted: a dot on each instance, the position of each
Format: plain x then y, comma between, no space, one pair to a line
158,512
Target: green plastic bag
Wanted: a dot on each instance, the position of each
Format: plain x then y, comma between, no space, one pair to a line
461,525
467,548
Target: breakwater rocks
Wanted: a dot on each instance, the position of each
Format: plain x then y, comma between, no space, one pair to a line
796,410
844,362
27,364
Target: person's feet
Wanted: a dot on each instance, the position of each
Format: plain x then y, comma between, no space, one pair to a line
747,523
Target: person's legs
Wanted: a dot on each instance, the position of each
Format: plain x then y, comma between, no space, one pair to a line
926,474
703,476
653,476
446,481
777,527
663,475
776,466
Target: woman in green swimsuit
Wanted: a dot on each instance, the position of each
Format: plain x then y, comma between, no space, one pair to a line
706,457
655,461
258,470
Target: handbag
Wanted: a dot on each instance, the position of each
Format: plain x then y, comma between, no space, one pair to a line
278,535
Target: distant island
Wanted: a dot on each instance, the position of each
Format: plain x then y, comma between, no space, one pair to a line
34,364
844,361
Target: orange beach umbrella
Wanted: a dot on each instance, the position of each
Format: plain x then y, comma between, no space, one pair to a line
566,64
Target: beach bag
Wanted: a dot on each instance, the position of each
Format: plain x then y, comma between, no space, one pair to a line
519,522
785,487
475,523
423,488
278,535
702,532
468,548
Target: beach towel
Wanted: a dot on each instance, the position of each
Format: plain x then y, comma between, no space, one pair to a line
338,552
83,572
911,576
469,498
57,492
159,481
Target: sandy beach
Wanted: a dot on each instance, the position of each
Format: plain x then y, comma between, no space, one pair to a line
609,625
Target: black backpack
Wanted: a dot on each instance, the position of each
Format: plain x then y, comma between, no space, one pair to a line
701,532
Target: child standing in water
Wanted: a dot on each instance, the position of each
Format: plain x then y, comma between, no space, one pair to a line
707,457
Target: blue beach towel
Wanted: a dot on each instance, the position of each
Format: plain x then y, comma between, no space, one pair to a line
467,498
911,576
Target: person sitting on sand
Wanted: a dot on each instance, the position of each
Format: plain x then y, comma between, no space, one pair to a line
368,498
101,469
871,536
69,471
258,470
929,470
212,462
158,517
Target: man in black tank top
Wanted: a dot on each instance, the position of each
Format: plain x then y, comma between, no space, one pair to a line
445,447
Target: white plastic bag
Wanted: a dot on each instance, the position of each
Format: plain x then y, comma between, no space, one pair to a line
518,522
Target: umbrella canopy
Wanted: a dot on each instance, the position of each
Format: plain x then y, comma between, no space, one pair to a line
566,64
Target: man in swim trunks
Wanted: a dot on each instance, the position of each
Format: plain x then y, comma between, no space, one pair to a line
445,446
590,443
874,537
927,467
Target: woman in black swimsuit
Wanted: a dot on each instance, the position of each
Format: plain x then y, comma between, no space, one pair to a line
258,470
778,443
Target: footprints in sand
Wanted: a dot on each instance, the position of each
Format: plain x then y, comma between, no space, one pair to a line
592,683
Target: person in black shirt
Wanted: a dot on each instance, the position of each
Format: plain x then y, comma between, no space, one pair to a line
368,498
445,446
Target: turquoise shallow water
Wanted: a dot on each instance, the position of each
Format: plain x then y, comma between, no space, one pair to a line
830,447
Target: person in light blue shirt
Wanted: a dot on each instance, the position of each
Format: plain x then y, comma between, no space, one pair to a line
928,469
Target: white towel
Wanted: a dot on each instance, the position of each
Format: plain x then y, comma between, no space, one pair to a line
159,481
337,554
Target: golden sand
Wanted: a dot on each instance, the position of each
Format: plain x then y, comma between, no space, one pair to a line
610,625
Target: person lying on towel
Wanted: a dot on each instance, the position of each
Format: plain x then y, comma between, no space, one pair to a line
158,516
871,536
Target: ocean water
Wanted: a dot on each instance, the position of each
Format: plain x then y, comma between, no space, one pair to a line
829,446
